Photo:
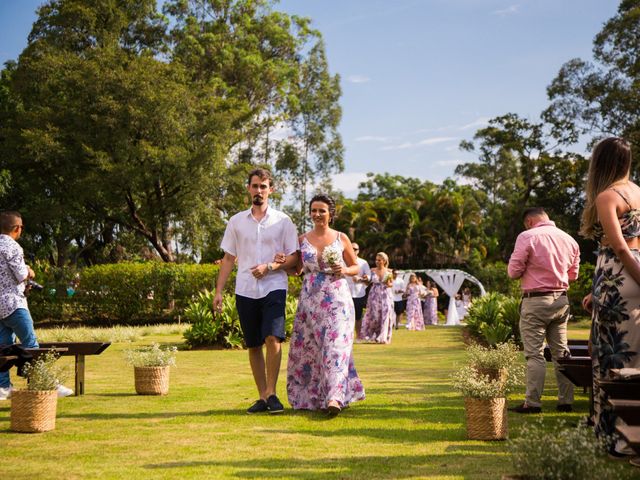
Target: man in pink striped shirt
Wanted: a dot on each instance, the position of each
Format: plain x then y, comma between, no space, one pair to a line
545,259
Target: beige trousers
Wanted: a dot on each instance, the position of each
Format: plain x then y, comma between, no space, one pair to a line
545,318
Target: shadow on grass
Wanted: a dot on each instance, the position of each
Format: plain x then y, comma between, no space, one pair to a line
453,432
380,467
153,415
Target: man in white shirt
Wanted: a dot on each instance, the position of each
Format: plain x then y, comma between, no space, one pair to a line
253,237
15,319
398,289
358,286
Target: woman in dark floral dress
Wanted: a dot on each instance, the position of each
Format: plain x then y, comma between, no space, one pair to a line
612,217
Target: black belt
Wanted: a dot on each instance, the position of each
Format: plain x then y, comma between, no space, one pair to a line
542,294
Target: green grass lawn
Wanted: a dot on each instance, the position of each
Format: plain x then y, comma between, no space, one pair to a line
410,426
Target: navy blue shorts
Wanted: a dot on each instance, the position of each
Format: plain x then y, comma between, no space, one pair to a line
359,303
262,317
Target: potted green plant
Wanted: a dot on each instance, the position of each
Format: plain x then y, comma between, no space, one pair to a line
151,366
561,452
485,382
33,409
497,361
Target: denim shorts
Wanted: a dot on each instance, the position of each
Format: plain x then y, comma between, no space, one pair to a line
262,317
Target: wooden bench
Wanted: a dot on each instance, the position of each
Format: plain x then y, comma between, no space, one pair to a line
7,359
621,389
577,348
628,410
631,433
79,350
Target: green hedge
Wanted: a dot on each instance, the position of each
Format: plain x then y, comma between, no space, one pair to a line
125,293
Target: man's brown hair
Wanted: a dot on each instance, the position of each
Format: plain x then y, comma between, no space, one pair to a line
8,220
262,174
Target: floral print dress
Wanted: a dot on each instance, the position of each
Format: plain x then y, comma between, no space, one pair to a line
615,329
380,316
430,311
320,367
415,320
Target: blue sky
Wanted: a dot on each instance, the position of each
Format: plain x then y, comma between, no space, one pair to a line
419,76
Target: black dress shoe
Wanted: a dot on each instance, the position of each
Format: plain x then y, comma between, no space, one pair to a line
564,407
524,408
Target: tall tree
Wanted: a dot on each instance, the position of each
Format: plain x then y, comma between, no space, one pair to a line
519,165
315,151
602,97
117,122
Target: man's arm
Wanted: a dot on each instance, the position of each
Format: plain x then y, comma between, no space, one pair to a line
519,258
574,269
226,267
21,272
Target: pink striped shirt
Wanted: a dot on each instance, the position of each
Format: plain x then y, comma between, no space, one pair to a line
544,259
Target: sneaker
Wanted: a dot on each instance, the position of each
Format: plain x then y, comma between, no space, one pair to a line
524,408
258,407
564,407
64,391
274,405
5,393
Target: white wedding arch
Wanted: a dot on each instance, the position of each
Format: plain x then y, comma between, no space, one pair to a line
450,280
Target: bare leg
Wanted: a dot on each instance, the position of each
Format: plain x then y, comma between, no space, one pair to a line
274,357
256,359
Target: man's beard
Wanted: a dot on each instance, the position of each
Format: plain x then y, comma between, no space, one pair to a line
258,200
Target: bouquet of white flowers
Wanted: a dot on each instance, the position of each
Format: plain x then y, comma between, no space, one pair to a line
331,255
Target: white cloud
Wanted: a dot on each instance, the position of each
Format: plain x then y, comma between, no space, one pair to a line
510,10
348,182
373,138
449,163
478,122
435,140
402,146
426,142
358,79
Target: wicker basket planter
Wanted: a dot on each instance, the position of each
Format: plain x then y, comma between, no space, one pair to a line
33,411
152,380
486,418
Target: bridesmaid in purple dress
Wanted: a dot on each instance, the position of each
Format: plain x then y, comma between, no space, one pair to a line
320,372
380,316
430,312
415,320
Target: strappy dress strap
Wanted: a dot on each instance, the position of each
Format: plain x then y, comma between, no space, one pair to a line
623,197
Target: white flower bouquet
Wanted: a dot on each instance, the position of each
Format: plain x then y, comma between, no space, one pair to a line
331,255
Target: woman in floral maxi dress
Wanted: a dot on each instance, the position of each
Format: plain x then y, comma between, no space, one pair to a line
414,307
612,216
320,371
380,316
430,312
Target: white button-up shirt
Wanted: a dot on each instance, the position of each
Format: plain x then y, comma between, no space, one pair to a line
398,288
13,273
255,242
359,289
